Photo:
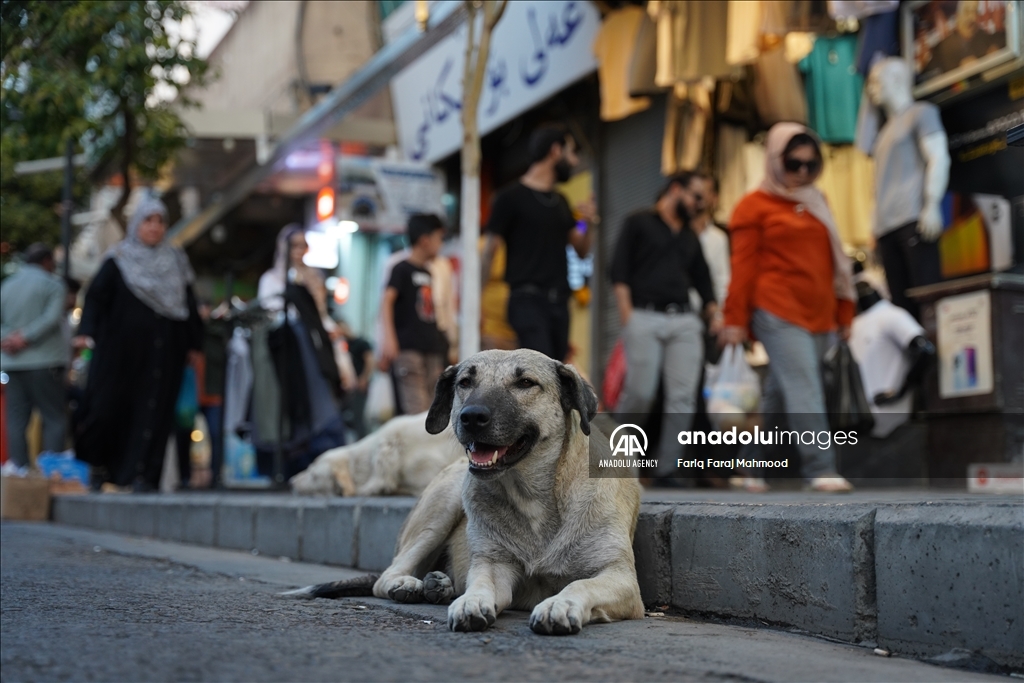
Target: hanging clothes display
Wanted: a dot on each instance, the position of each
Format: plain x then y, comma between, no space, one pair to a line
807,15
643,66
743,31
754,160
848,181
687,113
833,88
798,45
613,48
778,89
238,383
735,102
879,38
739,165
732,184
266,394
860,9
692,36
251,400
773,25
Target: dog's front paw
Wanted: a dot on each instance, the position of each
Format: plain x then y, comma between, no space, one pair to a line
471,613
438,588
406,589
557,616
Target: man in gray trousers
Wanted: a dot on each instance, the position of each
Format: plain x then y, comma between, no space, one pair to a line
33,352
657,260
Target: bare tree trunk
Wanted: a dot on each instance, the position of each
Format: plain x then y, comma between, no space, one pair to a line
472,85
127,155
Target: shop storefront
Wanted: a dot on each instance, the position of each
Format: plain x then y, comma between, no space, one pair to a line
695,86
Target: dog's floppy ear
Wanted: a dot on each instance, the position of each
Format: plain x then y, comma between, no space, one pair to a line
444,393
576,394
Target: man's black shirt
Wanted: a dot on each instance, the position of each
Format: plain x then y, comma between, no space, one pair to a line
535,226
658,265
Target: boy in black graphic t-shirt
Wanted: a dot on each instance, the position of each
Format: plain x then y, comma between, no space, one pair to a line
413,347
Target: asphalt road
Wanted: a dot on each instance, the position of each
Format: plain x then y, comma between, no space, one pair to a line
77,605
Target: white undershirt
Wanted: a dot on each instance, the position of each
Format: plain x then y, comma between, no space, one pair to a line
879,341
714,243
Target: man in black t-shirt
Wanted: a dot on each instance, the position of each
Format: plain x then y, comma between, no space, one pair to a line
535,223
413,347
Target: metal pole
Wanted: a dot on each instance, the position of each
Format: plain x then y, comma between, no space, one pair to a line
469,332
65,214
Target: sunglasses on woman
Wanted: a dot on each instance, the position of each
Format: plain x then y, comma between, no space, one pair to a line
794,165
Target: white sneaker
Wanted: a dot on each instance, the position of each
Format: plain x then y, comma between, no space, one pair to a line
833,484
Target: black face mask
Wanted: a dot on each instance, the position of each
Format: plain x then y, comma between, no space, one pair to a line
563,171
682,211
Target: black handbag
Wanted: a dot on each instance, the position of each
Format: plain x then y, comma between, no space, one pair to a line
847,405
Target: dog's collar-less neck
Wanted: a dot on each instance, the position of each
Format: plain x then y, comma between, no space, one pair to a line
516,488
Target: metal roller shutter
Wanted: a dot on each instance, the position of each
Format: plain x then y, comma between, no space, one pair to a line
630,178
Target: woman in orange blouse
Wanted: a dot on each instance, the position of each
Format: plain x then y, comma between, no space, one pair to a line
791,289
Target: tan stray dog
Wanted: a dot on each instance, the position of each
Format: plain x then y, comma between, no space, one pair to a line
521,523
400,458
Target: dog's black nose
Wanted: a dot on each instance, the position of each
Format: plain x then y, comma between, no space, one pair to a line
475,417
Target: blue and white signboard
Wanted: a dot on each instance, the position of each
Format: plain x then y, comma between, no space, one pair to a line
538,48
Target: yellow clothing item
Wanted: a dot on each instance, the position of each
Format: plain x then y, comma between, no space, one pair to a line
744,32
848,181
494,302
798,45
732,179
691,39
613,48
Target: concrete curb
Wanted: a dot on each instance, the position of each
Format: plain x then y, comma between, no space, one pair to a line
798,565
922,579
951,573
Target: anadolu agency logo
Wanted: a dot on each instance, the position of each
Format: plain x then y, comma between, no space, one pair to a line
629,446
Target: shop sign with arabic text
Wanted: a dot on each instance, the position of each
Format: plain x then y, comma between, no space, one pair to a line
538,48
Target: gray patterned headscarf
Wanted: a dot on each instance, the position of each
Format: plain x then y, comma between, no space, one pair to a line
158,275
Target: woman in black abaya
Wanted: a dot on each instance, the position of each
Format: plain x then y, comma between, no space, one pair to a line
140,319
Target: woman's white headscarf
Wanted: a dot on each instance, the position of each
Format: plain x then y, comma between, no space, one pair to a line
272,283
158,276
811,197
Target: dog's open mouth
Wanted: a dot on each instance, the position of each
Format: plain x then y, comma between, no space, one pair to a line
485,456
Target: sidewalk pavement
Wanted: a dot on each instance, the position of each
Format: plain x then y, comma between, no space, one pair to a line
181,612
922,573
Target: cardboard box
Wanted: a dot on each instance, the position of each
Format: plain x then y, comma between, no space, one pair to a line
25,498
66,487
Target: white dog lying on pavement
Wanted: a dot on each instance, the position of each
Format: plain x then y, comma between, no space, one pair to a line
400,458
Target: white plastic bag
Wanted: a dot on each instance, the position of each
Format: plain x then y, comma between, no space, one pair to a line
380,399
732,390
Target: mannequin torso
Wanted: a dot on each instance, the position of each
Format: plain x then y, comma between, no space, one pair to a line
911,154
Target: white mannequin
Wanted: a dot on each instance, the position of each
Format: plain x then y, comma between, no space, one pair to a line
889,87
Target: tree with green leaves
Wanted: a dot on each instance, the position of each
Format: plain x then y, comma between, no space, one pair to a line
108,75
